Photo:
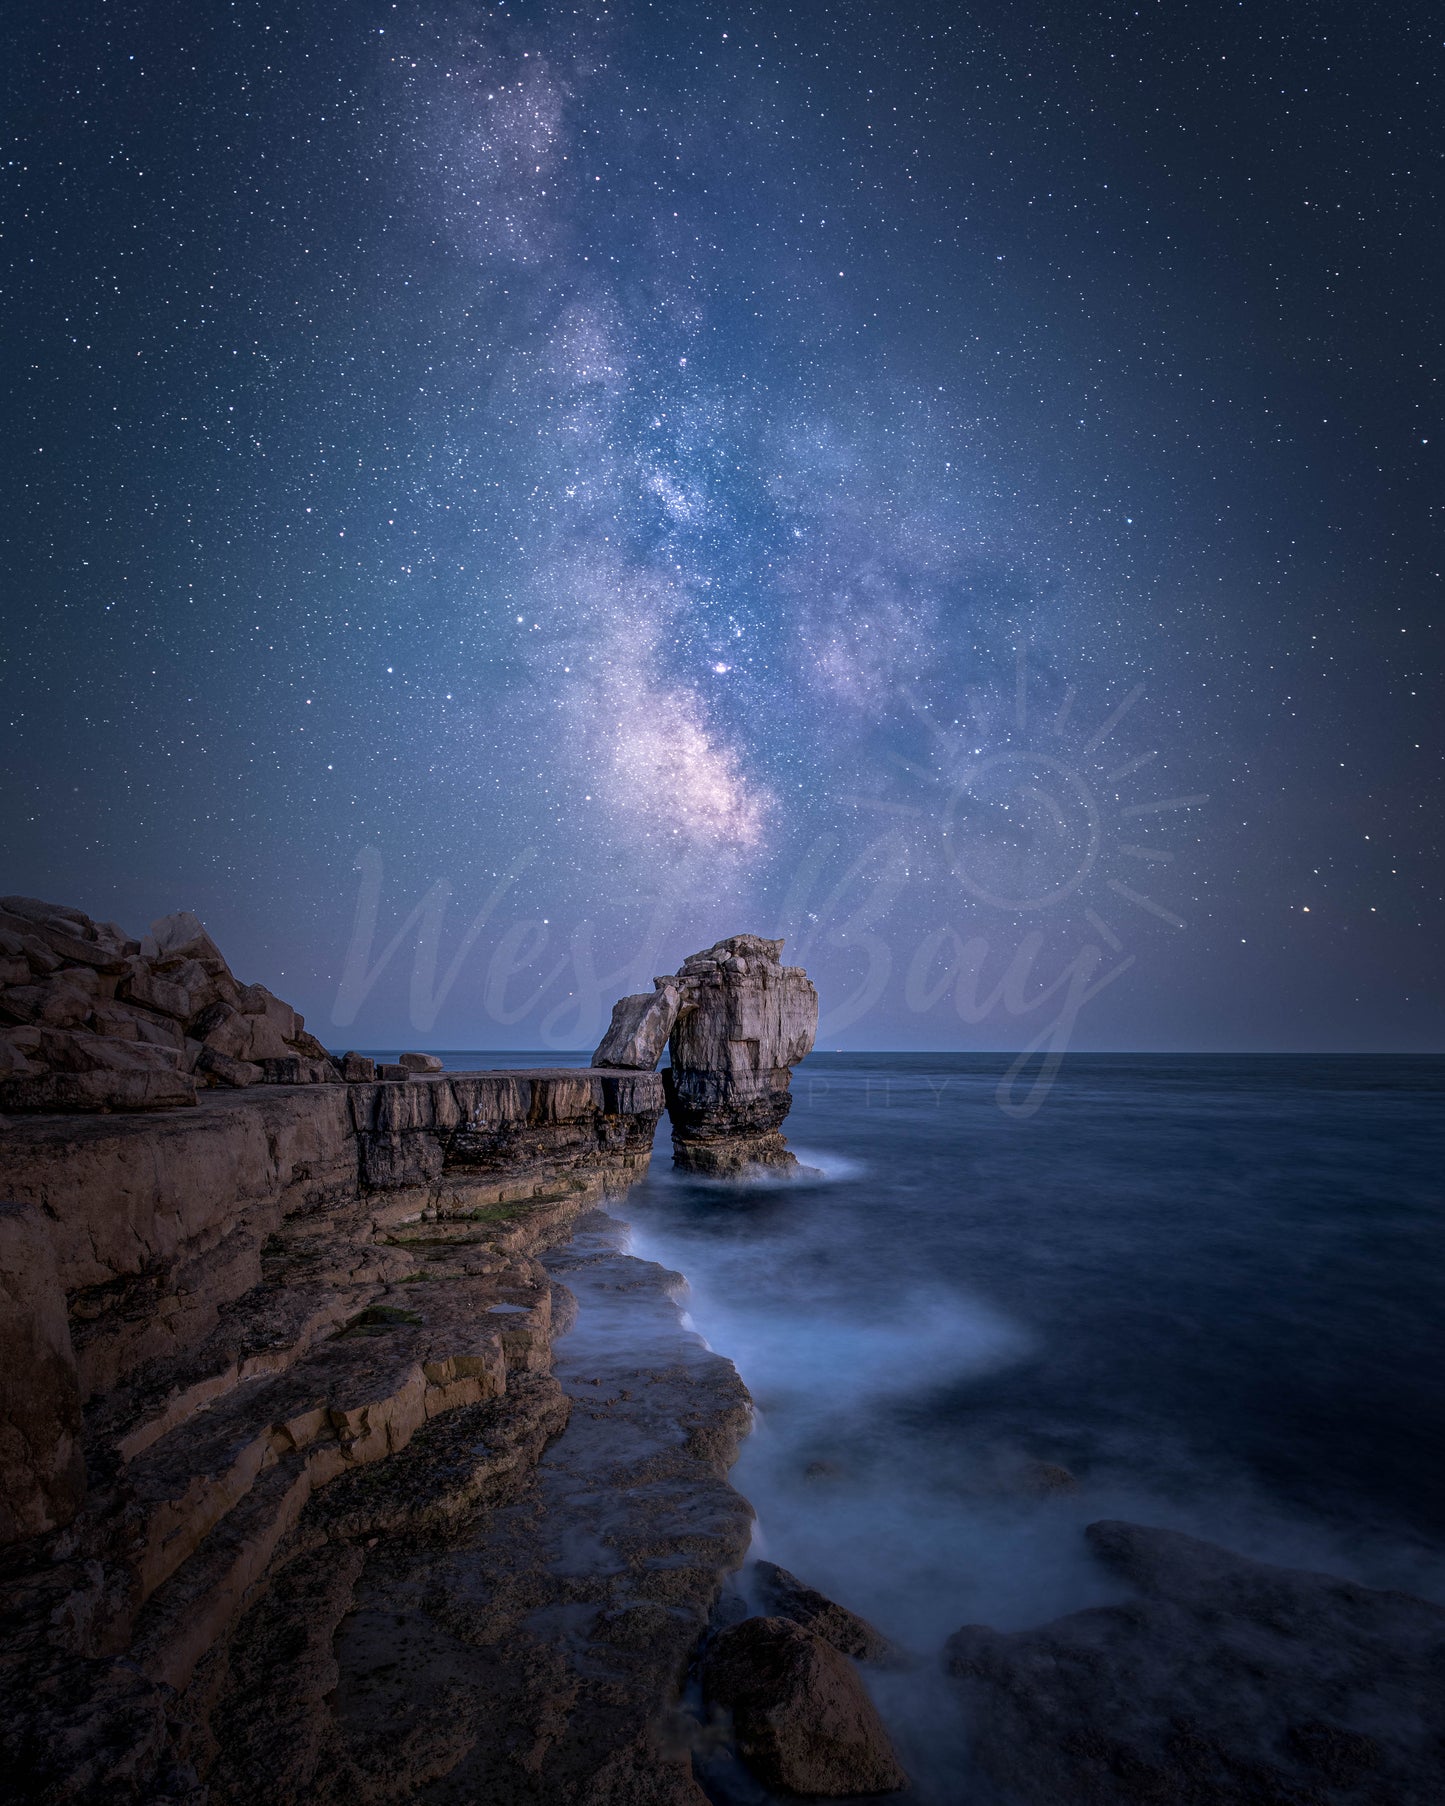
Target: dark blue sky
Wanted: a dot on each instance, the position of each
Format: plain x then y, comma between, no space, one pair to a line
960,487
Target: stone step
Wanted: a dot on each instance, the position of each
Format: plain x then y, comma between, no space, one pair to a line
355,1397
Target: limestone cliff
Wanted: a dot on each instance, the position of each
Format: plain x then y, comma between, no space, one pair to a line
244,1344
293,1483
735,1021
298,1501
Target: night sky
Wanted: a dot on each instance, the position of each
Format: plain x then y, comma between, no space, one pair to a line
960,487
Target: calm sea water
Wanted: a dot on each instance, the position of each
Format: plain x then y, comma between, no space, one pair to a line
1212,1288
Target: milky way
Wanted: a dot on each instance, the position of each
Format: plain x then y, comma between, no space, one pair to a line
950,488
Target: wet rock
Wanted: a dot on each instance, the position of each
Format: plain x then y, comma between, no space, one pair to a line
785,1596
1046,1478
532,1654
801,1717
419,1062
1226,1682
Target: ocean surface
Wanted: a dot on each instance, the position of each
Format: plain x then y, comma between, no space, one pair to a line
1211,1288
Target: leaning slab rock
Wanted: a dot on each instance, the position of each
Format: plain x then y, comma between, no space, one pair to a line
91,1019
735,1021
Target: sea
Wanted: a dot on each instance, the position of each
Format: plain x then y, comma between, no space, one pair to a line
1199,1291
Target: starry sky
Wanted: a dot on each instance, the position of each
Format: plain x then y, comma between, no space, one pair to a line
499,497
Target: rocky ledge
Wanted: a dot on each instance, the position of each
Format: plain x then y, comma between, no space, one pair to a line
216,1323
301,1496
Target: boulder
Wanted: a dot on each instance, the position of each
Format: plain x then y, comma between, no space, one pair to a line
154,1007
1225,1681
419,1062
785,1596
801,1718
226,1071
296,1069
357,1069
65,942
256,1000
142,986
640,1027
306,1043
130,1022
51,1000
42,1472
181,936
58,915
15,1060
18,943
266,1041
78,1050
225,1030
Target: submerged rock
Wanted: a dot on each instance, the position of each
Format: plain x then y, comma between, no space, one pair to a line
1228,1682
801,1717
785,1596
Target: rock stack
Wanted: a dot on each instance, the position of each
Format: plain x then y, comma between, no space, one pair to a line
735,1021
91,1019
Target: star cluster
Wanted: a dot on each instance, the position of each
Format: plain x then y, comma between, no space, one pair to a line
635,474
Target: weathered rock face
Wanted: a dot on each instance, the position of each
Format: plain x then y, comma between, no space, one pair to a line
531,1652
1226,1683
92,1020
42,1470
640,1027
267,1300
735,1021
801,1718
745,1021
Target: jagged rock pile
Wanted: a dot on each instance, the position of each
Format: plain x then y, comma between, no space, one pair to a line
91,1019
735,1021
